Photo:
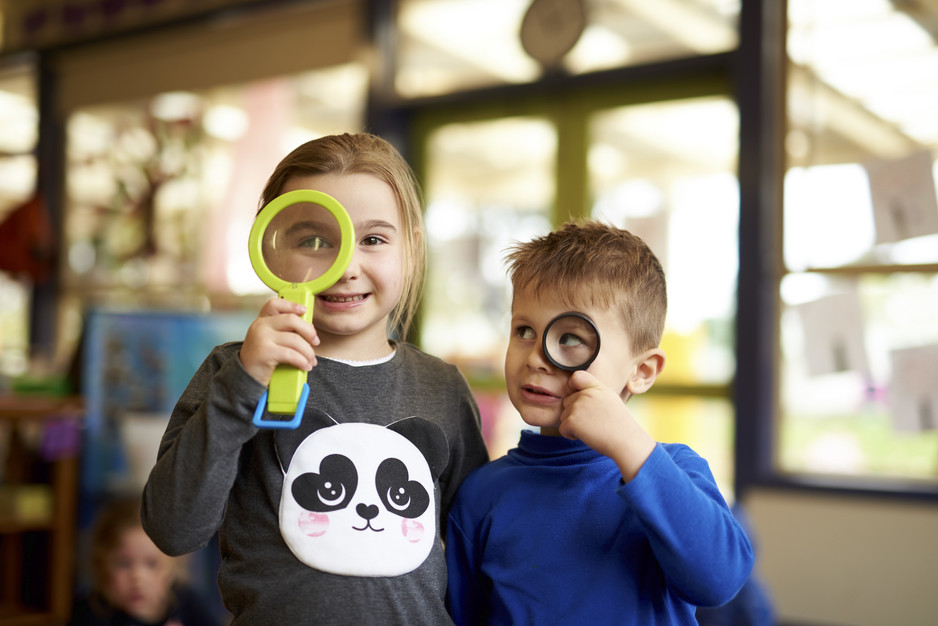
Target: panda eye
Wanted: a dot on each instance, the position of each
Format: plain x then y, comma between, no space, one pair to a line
329,490
331,493
404,497
398,499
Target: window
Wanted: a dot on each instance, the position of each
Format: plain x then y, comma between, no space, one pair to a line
667,172
860,288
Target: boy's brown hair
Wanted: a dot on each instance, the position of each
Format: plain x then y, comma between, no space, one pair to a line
364,153
599,264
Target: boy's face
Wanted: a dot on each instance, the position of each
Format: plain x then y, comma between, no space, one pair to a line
537,388
140,577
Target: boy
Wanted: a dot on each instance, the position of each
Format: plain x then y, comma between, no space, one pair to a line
133,582
591,521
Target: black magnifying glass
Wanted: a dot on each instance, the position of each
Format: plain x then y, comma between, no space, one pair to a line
571,341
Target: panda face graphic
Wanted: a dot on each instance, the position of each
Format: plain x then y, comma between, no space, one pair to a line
358,500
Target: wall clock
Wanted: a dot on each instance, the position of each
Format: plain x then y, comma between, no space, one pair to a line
550,29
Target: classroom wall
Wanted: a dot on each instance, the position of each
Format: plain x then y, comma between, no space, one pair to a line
847,561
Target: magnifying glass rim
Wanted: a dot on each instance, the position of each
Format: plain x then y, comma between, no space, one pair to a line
267,214
570,368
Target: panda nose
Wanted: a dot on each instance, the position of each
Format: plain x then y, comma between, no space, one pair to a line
367,511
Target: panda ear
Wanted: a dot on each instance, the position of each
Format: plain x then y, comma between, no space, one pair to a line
429,439
287,441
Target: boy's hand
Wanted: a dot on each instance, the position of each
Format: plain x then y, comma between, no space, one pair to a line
278,335
597,416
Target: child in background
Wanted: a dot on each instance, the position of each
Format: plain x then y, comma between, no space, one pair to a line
341,520
133,583
591,521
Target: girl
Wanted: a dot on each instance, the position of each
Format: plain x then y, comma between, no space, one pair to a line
133,583
339,521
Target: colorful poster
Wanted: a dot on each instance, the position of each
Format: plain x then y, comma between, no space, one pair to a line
137,364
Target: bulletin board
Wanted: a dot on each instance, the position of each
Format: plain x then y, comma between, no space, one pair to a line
135,365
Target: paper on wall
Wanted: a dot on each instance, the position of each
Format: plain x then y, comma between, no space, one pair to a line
903,197
834,334
653,230
913,388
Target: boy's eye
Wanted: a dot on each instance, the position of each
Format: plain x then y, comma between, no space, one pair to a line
570,340
525,332
120,564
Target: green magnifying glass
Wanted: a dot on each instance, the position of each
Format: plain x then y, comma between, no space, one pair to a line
300,244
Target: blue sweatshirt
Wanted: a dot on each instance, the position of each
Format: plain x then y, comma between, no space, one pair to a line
550,534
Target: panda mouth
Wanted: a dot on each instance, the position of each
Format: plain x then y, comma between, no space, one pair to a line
368,526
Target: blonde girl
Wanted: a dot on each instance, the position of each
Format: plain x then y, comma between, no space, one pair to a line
339,521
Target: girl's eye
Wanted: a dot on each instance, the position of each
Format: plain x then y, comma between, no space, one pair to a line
372,240
314,242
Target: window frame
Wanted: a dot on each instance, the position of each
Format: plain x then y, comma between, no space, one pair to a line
761,77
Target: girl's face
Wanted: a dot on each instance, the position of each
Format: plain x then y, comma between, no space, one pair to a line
140,577
351,317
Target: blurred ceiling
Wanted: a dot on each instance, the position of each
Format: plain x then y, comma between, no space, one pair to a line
863,81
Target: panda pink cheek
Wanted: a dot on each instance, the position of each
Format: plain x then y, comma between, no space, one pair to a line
313,524
412,530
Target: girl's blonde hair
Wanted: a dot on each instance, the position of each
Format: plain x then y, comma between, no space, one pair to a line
364,153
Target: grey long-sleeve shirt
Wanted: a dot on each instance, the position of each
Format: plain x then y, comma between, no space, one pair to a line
328,524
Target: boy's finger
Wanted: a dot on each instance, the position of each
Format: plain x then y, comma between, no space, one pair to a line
582,379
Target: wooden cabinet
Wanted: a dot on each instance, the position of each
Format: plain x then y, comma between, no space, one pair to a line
38,498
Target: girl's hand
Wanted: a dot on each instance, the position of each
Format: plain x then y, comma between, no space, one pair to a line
278,335
598,416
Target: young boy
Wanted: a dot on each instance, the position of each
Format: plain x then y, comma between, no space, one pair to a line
133,583
591,521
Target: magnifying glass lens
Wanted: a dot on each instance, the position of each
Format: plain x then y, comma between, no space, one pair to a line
301,242
571,341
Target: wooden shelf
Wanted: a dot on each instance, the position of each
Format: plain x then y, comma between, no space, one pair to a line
16,615
51,534
26,408
13,524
